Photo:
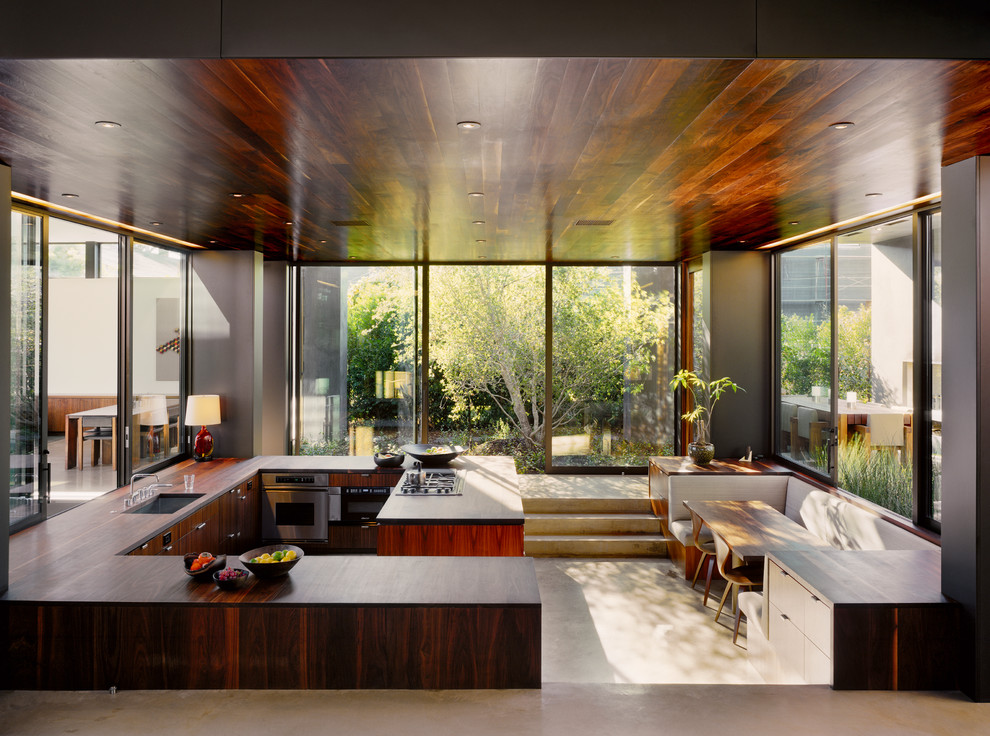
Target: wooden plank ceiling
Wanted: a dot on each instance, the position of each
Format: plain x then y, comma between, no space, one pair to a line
363,159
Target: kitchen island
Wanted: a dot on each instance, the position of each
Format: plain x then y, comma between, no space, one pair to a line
81,613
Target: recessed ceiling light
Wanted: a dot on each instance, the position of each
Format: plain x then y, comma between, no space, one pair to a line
476,194
323,241
741,242
615,258
480,241
874,194
841,125
482,258
236,195
288,222
213,242
352,257
106,124
478,222
468,125
794,222
155,223
70,195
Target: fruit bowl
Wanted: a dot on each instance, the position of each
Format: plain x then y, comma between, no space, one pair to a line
203,573
270,569
432,455
389,459
239,580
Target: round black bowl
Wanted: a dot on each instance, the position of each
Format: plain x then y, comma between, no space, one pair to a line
432,459
232,583
270,569
203,573
389,460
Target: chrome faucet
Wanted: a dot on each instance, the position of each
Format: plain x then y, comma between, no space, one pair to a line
140,495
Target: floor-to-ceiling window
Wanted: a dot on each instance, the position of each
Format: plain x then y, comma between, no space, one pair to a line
933,500
71,440
875,358
28,486
361,344
487,352
83,332
358,352
156,357
849,314
804,330
613,355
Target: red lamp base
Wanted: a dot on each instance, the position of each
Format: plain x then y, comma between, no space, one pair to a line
203,445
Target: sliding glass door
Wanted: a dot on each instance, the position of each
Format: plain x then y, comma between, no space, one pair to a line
804,329
29,481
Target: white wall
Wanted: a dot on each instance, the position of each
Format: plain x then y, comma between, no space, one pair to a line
146,338
82,337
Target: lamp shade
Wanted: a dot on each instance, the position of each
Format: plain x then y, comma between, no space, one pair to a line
202,409
153,410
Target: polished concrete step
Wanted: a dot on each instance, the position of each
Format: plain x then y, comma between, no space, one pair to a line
587,506
593,524
586,545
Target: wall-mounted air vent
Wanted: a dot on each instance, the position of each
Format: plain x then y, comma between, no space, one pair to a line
350,223
594,223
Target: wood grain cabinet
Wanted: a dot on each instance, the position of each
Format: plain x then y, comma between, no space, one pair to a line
859,620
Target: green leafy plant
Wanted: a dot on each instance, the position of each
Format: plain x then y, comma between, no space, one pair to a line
704,396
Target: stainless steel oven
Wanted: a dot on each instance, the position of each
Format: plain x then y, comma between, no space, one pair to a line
298,507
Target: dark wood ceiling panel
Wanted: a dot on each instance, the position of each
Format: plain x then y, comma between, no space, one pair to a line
363,159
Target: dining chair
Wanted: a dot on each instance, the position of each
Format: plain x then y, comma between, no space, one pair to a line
743,576
704,541
750,604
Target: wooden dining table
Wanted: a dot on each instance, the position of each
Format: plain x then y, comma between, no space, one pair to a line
752,528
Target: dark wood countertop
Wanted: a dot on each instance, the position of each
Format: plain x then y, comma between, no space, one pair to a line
683,465
79,556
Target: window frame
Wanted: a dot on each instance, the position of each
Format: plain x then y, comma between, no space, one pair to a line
922,238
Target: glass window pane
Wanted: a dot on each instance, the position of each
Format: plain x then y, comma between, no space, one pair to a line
805,366
82,356
25,367
936,388
875,354
359,353
156,362
614,353
487,360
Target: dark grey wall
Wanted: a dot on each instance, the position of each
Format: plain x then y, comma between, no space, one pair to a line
5,381
227,315
397,28
739,310
275,352
966,411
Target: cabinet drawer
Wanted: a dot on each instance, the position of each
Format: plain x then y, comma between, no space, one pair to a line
791,597
788,643
818,623
817,665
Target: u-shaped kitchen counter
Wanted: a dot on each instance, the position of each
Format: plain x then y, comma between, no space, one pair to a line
82,614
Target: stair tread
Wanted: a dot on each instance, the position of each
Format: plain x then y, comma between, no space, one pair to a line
596,537
588,515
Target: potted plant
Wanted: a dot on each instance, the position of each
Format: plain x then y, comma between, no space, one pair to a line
704,396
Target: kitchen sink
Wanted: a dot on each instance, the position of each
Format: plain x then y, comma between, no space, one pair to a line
166,503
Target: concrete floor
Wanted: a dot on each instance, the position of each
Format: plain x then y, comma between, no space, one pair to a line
627,649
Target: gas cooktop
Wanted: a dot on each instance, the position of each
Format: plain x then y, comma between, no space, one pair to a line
434,482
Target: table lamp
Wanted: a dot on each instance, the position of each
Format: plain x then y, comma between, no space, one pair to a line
203,409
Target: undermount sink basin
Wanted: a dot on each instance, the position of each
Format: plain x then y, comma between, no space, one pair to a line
166,503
